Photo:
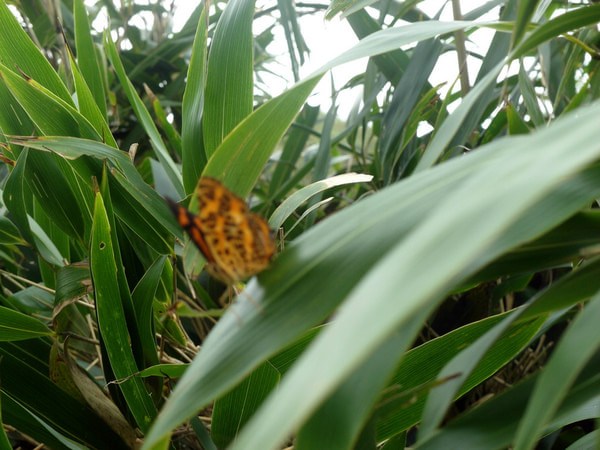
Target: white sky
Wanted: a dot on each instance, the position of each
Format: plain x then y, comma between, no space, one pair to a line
338,37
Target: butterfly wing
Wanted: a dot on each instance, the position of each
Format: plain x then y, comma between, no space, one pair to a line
240,240
192,225
235,242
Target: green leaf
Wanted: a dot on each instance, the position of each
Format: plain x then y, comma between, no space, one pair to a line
229,77
241,157
31,300
451,125
15,326
570,20
322,163
530,97
4,443
295,143
493,424
192,142
89,108
164,370
145,119
202,434
87,61
559,375
111,318
173,138
563,23
15,193
9,234
289,205
449,221
407,95
51,114
460,367
561,245
421,252
516,125
44,245
568,291
285,358
18,51
59,203
13,119
233,410
402,405
346,7
590,440
136,203
57,240
72,282
144,212
391,64
524,14
338,422
143,297
37,397
20,417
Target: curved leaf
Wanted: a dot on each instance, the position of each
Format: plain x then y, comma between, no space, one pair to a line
289,205
111,318
15,326
193,157
229,78
512,180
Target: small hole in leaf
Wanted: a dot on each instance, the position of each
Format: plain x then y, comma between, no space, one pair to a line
102,245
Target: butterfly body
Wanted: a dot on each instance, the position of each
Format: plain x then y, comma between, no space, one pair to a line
235,242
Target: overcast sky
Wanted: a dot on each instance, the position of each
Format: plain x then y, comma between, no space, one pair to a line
339,37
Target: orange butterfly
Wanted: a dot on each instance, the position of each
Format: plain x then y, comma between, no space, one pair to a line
235,242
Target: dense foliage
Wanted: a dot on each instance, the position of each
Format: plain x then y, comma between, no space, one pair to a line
437,248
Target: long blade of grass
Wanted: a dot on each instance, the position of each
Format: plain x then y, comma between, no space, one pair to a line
346,246
229,78
193,153
111,318
241,157
565,364
15,326
18,52
145,119
87,59
419,253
